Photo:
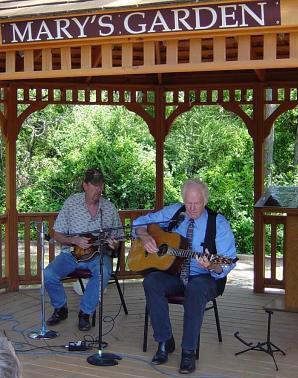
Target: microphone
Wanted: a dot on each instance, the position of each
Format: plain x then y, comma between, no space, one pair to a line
176,222
180,219
49,239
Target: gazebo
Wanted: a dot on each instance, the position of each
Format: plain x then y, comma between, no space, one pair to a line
158,59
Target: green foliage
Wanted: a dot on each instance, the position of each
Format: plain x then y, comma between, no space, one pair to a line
56,145
285,137
216,147
111,139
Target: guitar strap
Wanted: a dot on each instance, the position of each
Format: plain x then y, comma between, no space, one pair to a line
209,240
175,219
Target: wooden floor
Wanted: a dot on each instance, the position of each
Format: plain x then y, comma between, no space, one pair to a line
240,310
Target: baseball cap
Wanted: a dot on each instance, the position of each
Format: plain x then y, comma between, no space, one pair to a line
94,176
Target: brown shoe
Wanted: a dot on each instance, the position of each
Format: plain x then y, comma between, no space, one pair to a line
58,315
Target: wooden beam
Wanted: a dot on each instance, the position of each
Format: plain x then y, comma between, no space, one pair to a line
47,60
294,45
149,53
219,49
127,55
86,62
243,48
195,51
107,62
259,235
159,136
28,60
172,52
65,58
261,74
269,47
11,239
10,66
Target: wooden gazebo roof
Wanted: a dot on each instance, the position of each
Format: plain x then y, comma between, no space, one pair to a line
259,42
165,56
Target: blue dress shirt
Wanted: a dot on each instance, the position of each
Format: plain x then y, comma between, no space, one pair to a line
225,242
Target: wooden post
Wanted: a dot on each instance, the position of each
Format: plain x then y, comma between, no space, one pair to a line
11,233
259,240
291,262
159,135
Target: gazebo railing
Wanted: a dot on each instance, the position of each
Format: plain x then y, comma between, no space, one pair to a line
275,250
29,249
3,279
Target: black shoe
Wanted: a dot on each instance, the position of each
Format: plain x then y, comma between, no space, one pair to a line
84,322
165,347
188,362
58,315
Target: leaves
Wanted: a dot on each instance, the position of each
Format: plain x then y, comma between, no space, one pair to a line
56,145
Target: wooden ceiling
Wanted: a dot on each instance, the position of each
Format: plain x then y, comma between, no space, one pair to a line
230,55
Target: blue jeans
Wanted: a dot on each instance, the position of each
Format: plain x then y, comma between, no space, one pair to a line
63,265
199,290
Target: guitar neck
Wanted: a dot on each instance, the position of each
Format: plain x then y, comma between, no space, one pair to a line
183,252
211,257
99,242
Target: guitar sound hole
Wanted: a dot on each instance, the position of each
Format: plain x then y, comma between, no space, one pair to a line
162,250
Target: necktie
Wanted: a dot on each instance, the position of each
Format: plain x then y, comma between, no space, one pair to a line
184,274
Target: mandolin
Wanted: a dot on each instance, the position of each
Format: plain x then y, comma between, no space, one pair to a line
82,254
172,249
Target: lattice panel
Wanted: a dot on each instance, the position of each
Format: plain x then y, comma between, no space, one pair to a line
274,50
90,95
192,95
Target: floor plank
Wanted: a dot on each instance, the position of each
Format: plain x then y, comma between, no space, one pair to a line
239,308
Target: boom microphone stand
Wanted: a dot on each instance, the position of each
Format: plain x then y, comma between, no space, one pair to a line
100,358
43,333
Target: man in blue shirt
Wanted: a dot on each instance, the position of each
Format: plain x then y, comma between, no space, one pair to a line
200,286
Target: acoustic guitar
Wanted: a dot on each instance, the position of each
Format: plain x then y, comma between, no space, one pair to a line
172,249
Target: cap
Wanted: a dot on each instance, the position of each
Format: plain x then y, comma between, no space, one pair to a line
94,176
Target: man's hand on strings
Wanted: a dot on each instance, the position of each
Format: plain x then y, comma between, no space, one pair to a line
113,243
205,263
148,241
82,241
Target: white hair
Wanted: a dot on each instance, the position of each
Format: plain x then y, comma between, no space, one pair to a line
9,365
201,185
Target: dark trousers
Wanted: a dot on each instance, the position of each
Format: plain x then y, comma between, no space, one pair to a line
199,290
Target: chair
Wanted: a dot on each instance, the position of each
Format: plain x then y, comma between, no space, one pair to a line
114,279
81,274
178,299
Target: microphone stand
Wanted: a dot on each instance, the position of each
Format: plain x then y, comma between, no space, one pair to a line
100,358
43,333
